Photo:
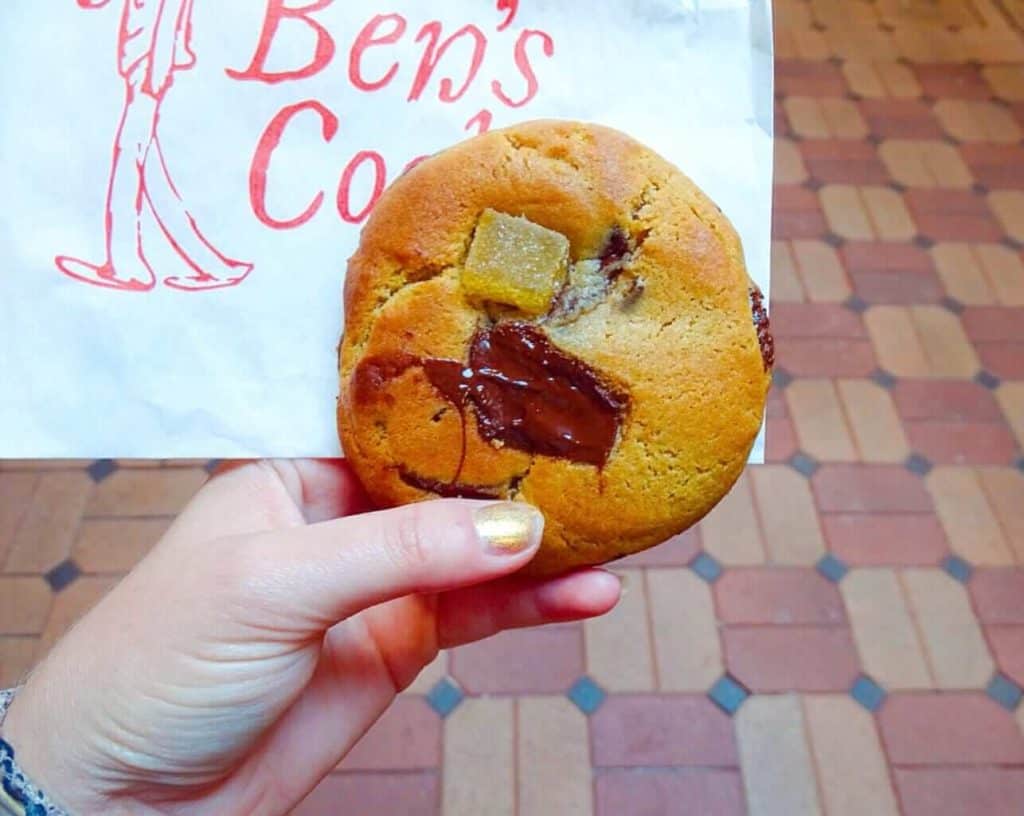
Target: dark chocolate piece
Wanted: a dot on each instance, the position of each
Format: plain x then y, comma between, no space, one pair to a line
763,326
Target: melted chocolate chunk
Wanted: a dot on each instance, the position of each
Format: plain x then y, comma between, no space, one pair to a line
616,249
445,490
761,323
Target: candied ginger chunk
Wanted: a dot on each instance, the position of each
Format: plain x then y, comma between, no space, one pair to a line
515,262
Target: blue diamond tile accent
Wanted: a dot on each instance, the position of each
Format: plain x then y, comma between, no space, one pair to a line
897,187
957,568
832,568
706,567
918,464
1005,692
987,379
445,697
868,693
781,378
728,694
212,465
62,575
813,185
923,242
883,378
1020,464
101,469
834,240
803,464
586,695
979,189
857,304
953,305
1013,243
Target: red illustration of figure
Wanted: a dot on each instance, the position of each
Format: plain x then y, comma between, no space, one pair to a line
153,44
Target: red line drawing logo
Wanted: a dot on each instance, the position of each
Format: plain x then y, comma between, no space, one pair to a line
154,43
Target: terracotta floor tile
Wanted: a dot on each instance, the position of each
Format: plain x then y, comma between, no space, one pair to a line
786,285
998,595
819,421
825,357
792,534
952,215
993,324
852,772
116,545
880,79
968,517
997,166
962,274
412,794
633,731
1008,649
944,401
789,165
896,341
553,759
949,352
949,729
687,651
816,320
820,271
70,605
955,81
842,161
884,630
533,661
976,121
1011,400
15,496
778,772
869,489
1008,206
846,212
1004,489
43,538
479,741
649,792
797,213
618,645
407,737
963,443
731,533
428,678
901,119
805,44
872,417
891,257
928,44
799,78
676,552
17,656
791,658
890,219
954,645
781,443
1005,270
777,596
1006,80
893,539
959,791
145,492
891,273
24,605
861,41
1005,360
924,163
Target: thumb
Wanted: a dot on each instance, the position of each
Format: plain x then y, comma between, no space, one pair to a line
336,568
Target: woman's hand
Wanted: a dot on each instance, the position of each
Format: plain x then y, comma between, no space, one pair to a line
250,650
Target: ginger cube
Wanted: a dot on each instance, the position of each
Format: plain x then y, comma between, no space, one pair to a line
515,262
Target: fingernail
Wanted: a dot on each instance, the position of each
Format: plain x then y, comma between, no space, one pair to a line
509,528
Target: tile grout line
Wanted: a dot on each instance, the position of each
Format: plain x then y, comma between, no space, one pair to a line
926,651
809,742
651,644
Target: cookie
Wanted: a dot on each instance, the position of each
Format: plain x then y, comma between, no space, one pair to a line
554,314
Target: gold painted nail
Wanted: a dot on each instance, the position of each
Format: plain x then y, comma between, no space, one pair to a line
509,528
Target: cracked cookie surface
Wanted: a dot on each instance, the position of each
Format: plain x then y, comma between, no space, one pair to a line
450,382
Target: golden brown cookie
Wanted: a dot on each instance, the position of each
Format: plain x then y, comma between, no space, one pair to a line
554,314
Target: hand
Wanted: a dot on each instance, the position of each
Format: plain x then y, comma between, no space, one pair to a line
250,650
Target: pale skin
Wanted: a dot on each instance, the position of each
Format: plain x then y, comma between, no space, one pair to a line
271,626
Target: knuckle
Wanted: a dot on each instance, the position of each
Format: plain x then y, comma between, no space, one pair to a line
407,539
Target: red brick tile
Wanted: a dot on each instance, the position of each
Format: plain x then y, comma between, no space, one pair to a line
1007,643
407,737
986,324
869,489
886,272
953,215
676,552
901,119
863,540
1005,360
780,444
644,792
825,357
945,400
797,214
791,595
791,658
631,731
963,443
816,320
783,128
949,729
843,161
942,80
883,256
802,78
883,287
998,595
524,661
996,166
960,791
411,794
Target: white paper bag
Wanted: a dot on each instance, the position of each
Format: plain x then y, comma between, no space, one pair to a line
184,180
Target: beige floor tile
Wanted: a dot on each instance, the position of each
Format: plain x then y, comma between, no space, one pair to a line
865,78
1005,271
618,645
1004,489
897,344
956,648
876,426
430,675
1011,399
806,117
790,522
843,118
731,532
861,43
848,754
883,629
778,772
1006,80
70,605
479,752
967,517
24,605
16,491
946,345
146,492
116,545
962,274
820,271
971,120
786,286
809,44
17,657
889,216
925,163
47,529
1008,205
789,166
846,213
686,644
554,759
818,421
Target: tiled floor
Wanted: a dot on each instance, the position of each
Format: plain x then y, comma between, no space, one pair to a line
845,635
